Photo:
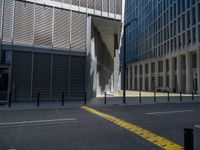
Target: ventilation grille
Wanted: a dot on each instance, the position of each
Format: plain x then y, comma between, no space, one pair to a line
21,75
98,4
43,26
61,29
78,35
8,20
23,23
105,5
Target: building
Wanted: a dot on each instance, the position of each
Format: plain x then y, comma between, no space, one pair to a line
163,48
55,46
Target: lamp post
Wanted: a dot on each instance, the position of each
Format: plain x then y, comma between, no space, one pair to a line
124,62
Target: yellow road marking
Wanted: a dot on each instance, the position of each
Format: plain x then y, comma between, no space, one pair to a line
147,135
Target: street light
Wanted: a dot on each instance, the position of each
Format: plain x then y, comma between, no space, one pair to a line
124,64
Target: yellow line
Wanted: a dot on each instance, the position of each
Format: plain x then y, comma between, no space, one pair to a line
149,136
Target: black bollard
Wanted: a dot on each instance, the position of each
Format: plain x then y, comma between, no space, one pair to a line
140,97
168,96
192,95
85,102
188,139
154,96
180,96
9,100
38,99
105,98
63,96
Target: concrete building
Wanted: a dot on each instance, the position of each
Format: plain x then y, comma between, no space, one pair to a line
163,48
56,46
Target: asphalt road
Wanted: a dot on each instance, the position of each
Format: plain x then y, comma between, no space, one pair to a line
77,129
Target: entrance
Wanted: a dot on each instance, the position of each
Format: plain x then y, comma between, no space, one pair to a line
3,84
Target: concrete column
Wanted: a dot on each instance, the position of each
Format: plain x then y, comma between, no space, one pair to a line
164,74
143,77
150,76
189,77
179,73
138,77
133,78
198,69
171,74
156,75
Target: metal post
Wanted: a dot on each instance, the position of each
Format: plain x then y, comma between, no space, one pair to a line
168,96
188,139
140,98
124,68
154,96
63,96
9,100
180,96
85,102
38,99
192,95
105,98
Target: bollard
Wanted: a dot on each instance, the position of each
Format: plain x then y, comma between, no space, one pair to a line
38,99
140,97
154,96
9,100
105,98
85,102
180,96
63,96
192,95
168,96
188,139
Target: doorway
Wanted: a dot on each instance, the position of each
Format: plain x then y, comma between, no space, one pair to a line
3,84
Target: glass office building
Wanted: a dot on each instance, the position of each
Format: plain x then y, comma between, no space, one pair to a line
56,46
163,48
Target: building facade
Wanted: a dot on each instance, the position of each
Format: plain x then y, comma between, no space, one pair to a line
163,48
55,46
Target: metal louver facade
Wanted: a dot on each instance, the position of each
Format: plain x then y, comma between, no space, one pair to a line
47,47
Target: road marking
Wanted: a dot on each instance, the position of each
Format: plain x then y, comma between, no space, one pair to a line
169,112
145,134
37,121
197,126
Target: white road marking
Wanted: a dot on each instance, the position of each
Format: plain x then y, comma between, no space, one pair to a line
197,126
170,112
37,121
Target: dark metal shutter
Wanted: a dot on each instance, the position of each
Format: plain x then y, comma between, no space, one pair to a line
75,2
23,23
43,26
21,75
83,3
119,7
91,4
78,32
77,78
8,20
41,75
98,4
112,6
61,29
105,5
60,76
